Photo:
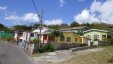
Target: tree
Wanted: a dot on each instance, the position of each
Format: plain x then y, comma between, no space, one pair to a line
74,24
64,25
56,33
4,28
87,25
56,27
21,27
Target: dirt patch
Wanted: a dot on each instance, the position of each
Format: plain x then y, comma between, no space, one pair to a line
63,55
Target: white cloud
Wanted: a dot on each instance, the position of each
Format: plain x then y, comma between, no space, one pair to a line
3,7
85,17
29,17
61,3
98,10
95,6
53,22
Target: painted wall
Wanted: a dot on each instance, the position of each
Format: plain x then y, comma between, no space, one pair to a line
6,35
92,33
72,35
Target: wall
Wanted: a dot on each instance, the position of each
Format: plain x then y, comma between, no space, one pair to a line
6,35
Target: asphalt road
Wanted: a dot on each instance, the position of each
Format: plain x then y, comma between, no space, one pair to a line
11,54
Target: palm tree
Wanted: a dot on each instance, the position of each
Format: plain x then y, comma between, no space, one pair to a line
56,34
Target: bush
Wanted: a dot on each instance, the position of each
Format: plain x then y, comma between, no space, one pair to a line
9,39
34,41
41,50
111,41
91,43
47,48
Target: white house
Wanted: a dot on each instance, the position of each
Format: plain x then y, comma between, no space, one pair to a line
30,35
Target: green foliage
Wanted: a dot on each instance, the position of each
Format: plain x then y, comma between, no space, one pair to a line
74,24
35,41
87,25
21,27
4,28
92,43
47,48
56,33
41,50
9,39
56,27
63,25
111,41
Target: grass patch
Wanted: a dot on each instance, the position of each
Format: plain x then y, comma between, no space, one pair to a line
100,57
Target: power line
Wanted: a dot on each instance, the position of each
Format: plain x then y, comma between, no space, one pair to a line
40,19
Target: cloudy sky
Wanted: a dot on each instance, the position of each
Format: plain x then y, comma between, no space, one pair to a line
14,12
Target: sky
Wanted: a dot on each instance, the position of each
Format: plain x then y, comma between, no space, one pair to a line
56,12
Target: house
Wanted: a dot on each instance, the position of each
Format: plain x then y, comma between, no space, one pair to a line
20,35
73,35
97,34
35,34
44,34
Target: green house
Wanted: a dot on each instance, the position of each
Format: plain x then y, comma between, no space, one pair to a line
96,34
6,34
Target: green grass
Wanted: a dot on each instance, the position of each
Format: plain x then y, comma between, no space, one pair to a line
99,57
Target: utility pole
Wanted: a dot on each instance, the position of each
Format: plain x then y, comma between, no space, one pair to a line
41,16
40,20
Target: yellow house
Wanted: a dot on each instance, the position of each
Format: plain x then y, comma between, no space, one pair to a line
71,36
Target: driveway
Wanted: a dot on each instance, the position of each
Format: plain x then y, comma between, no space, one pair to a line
11,54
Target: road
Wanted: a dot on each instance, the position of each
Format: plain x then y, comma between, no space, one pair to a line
11,54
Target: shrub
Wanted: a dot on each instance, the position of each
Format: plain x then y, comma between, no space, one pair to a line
34,41
9,39
111,41
91,43
41,50
47,48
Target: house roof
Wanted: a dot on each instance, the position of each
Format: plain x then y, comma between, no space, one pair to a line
72,29
66,30
98,31
80,27
44,30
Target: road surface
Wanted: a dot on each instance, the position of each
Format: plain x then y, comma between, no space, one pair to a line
11,54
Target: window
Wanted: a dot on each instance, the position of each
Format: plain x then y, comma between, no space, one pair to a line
20,34
62,39
98,36
68,39
95,36
32,34
75,39
89,37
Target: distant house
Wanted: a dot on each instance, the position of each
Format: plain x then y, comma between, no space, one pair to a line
96,34
44,34
21,35
73,35
4,35
35,34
